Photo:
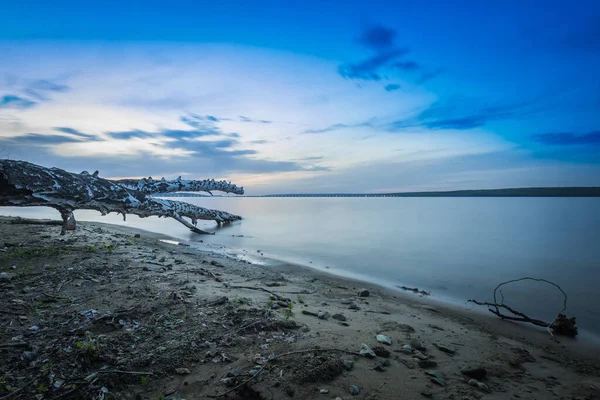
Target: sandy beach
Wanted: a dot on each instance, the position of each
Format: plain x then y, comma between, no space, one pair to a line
113,312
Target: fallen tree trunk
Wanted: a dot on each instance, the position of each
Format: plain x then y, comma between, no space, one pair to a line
23,184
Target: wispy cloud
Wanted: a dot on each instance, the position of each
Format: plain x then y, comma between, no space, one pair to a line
462,114
429,75
15,102
569,139
260,141
39,139
371,68
366,124
391,87
39,89
27,94
388,58
260,121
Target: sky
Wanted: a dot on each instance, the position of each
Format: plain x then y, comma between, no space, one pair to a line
306,96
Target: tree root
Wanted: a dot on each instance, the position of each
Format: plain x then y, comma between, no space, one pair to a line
560,325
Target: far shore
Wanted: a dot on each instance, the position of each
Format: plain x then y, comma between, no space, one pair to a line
185,316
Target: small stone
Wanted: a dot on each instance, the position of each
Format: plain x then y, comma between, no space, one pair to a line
366,351
381,352
354,390
427,394
478,372
323,315
324,391
290,391
348,364
384,339
6,277
363,293
419,355
406,349
439,381
339,317
13,267
182,371
416,343
234,373
427,364
137,236
146,268
445,349
34,328
480,385
435,373
228,381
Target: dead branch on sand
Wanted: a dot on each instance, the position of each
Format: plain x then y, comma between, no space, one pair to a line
274,357
560,325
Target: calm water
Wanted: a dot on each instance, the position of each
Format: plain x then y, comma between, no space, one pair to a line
458,248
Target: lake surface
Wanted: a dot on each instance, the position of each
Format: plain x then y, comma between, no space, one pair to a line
457,248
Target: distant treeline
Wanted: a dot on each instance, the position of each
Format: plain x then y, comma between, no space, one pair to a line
513,192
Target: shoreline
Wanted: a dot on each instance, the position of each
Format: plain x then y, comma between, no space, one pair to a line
183,301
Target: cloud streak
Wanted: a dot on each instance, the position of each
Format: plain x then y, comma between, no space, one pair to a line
569,139
10,101
388,58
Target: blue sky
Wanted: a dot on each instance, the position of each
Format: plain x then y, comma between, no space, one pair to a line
311,96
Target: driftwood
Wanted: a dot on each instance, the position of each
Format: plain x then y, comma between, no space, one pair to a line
560,325
23,184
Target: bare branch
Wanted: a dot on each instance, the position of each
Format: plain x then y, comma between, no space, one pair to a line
561,324
151,186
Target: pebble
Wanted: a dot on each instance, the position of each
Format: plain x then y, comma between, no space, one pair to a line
323,315
366,351
339,317
348,365
445,349
324,391
416,343
182,371
381,352
384,339
363,293
480,385
234,372
6,277
34,328
137,236
419,355
406,349
478,372
436,377
147,268
354,390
